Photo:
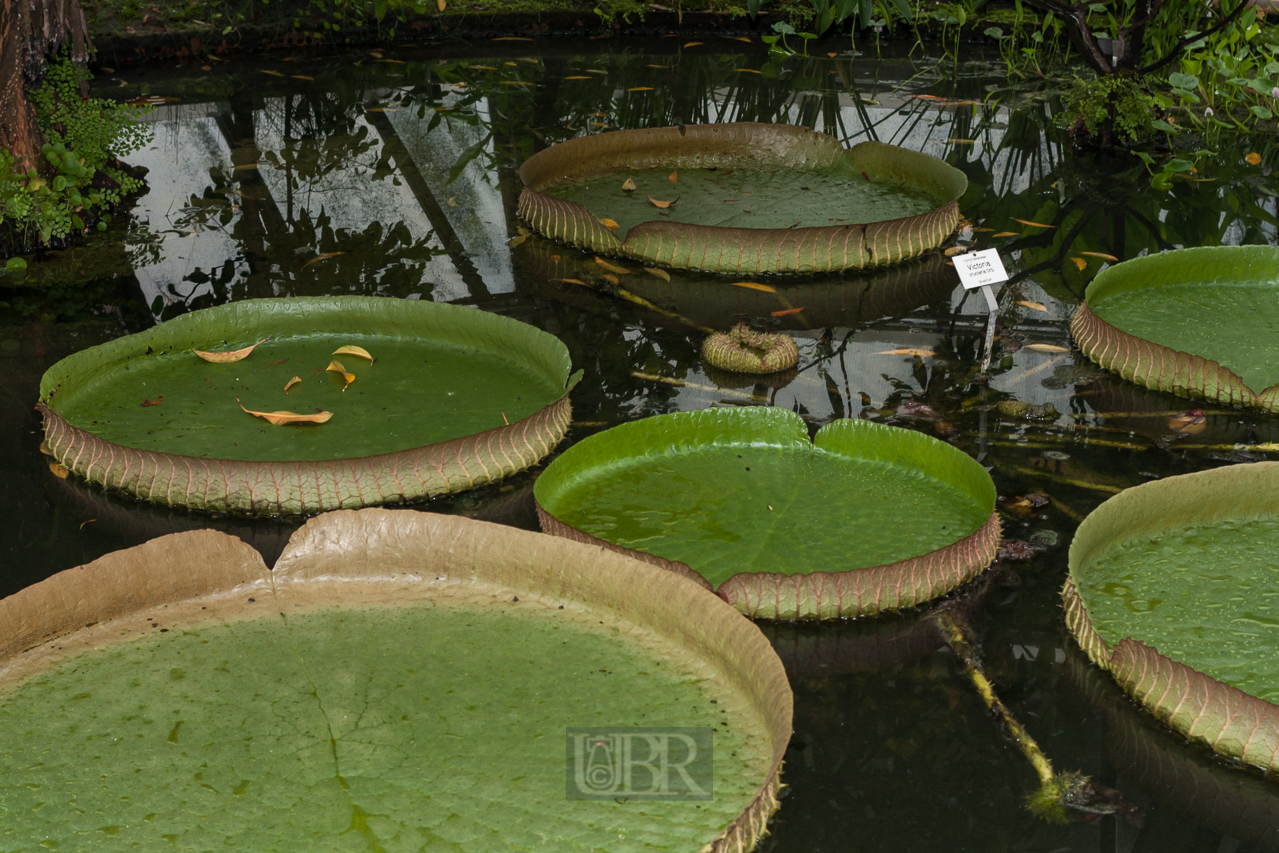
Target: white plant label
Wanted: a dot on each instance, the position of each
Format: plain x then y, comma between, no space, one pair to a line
978,269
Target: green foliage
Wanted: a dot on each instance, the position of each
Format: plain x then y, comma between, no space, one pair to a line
80,184
1110,110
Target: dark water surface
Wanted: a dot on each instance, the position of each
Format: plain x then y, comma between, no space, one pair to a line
402,170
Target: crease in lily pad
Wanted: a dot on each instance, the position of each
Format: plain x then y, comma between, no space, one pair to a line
1172,589
752,198
864,518
398,680
1198,322
455,399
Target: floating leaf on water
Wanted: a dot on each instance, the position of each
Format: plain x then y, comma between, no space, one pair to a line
692,44
662,274
1005,234
673,177
1191,422
832,54
574,77
59,470
982,229
754,286
612,279
294,381
301,77
747,70
228,357
613,268
785,312
1102,255
1253,158
640,89
272,73
916,409
952,251
1046,348
743,38
516,241
662,204
351,349
628,185
322,257
1034,306
915,351
336,366
282,418
962,141
1017,551
1030,502
1080,263
571,281
609,223
1056,455
157,401
87,521
1032,224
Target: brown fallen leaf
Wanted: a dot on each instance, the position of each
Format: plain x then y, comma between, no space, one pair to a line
743,38
1253,158
1101,255
282,418
574,77
692,44
322,257
975,230
336,366
352,349
294,381
662,204
662,274
1033,306
952,251
754,286
1023,506
272,73
786,312
58,470
640,89
613,268
1191,422
301,77
1005,234
1017,551
1032,224
915,351
610,224
157,401
570,281
228,357
628,186
1046,348
747,70
87,521
611,279
832,54
673,177
1080,263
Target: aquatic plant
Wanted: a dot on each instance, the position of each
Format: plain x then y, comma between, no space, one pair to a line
745,350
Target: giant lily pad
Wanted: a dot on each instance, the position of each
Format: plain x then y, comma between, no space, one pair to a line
1195,322
1172,588
399,681
748,198
453,398
865,518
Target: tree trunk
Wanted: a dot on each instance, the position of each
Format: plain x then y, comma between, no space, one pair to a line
29,31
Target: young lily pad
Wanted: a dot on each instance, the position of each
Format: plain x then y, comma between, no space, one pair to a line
452,398
865,518
400,680
1172,589
1196,322
750,198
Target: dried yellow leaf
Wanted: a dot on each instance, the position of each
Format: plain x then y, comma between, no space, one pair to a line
272,73
613,268
673,177
662,274
640,89
282,418
1046,348
301,77
322,257
1032,224
754,286
747,70
516,241
578,77
1034,306
611,279
1005,234
1253,158
351,349
662,204
1080,263
628,185
692,44
609,223
336,366
294,381
1101,255
59,470
952,251
441,5
228,357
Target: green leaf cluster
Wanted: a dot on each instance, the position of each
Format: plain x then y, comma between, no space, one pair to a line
81,184
1110,110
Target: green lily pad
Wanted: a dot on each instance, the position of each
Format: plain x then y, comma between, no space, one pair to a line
1197,322
750,198
1172,589
864,518
400,681
454,398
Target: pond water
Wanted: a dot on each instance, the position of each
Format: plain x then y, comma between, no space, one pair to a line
396,176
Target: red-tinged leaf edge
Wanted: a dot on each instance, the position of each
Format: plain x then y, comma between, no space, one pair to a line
371,556
816,595
740,250
303,487
1160,367
1222,717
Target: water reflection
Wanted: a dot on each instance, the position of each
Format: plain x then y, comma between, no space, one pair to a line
398,178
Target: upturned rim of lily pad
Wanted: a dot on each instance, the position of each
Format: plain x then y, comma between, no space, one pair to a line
1224,718
295,487
907,582
398,557
1159,367
741,250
